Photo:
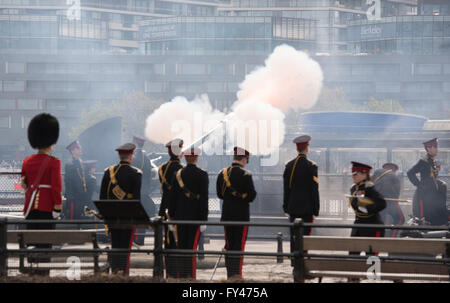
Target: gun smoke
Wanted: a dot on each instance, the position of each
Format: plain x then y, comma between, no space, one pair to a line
289,80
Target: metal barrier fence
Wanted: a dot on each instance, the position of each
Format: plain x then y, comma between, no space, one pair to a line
268,256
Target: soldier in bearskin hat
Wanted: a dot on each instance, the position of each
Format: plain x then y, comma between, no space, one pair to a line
41,175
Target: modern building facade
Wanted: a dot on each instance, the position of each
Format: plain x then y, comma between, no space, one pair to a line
62,58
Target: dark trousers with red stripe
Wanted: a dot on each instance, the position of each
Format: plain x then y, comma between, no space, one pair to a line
187,239
235,238
307,231
169,259
366,232
121,238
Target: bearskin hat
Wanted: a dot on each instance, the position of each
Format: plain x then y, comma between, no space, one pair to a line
43,131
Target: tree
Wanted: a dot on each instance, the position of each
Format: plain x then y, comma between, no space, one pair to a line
333,100
387,105
133,107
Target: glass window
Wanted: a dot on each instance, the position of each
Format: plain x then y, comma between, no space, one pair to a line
13,86
151,86
191,69
15,67
427,69
5,122
215,87
29,104
446,87
54,104
388,87
7,103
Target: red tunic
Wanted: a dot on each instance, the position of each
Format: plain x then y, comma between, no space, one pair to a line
49,194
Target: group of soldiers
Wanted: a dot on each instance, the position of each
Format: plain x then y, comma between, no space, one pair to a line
185,193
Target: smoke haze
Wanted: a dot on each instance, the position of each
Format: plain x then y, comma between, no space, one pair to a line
289,80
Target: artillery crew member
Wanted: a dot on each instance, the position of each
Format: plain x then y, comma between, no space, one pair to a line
142,162
428,203
188,200
75,183
388,184
366,202
41,177
166,173
301,187
122,182
235,186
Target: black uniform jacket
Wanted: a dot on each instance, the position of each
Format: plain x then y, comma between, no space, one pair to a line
429,198
367,189
387,183
142,162
195,183
129,179
301,188
167,171
236,198
75,181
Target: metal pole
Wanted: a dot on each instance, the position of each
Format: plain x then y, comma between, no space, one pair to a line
299,264
3,248
280,247
158,266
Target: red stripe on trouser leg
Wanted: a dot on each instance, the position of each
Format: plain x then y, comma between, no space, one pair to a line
194,256
310,229
244,237
127,269
377,235
71,210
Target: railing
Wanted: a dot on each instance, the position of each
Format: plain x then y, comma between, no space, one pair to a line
158,251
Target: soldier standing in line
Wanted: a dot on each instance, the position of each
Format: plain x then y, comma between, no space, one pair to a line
91,181
41,178
388,184
142,162
75,183
301,187
122,182
427,200
235,187
166,173
188,200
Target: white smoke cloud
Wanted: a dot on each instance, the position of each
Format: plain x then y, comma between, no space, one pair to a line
181,118
290,79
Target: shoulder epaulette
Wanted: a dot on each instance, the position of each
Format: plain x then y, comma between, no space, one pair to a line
369,184
312,162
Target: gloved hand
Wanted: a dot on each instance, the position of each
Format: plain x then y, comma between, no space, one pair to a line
56,214
362,209
202,228
354,202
